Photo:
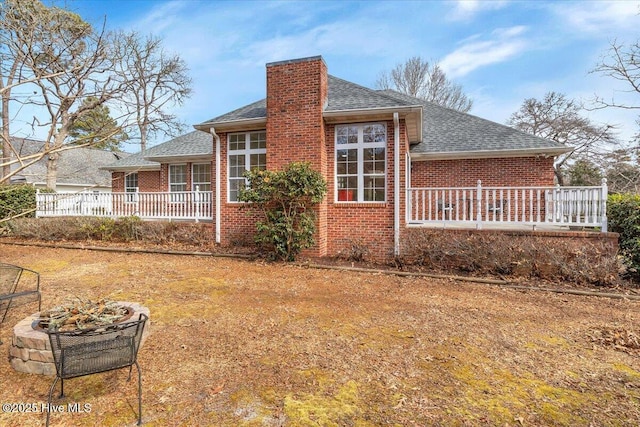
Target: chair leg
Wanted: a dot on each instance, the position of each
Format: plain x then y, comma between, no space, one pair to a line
61,388
139,394
49,401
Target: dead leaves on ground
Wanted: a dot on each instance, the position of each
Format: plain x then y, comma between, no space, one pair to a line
619,339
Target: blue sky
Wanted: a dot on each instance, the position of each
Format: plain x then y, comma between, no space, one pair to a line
501,52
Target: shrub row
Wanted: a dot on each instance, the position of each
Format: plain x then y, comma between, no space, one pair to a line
583,261
126,229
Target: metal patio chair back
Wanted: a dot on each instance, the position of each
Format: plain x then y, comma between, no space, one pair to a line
12,281
90,351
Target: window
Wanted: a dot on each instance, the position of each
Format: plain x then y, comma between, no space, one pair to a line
247,151
361,163
177,178
131,186
201,176
177,182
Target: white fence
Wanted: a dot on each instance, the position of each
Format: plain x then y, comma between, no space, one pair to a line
509,206
185,205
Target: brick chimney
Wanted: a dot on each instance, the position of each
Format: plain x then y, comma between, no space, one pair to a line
297,93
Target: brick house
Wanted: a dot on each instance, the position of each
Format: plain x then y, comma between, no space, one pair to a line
370,145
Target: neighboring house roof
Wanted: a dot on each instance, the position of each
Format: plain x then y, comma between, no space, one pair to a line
193,146
79,166
449,133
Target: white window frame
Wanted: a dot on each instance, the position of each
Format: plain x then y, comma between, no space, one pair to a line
247,152
131,198
175,196
360,146
199,184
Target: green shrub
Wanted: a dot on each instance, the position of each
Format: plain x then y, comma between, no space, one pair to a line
99,229
623,213
128,228
285,199
17,200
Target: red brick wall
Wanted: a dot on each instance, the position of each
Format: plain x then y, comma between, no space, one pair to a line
368,225
148,181
512,171
237,227
117,182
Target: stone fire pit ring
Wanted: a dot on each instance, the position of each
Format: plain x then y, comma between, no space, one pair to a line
30,351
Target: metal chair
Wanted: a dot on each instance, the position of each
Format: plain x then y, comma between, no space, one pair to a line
90,351
445,209
11,283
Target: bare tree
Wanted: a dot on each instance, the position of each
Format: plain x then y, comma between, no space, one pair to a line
419,78
76,73
19,26
560,119
621,62
622,170
72,63
155,80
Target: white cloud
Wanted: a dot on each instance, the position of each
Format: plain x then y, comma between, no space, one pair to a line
367,37
162,17
474,53
599,16
467,9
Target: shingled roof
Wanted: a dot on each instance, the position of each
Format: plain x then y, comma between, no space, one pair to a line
343,95
193,145
451,133
446,133
79,166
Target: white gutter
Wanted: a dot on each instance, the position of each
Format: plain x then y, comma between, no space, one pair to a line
229,125
485,154
217,138
378,110
396,184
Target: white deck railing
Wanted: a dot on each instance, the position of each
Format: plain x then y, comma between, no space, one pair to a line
185,205
508,206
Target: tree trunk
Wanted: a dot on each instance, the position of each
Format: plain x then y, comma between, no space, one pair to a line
6,145
559,176
143,138
52,170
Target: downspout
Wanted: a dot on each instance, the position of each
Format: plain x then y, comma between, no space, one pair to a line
396,184
217,138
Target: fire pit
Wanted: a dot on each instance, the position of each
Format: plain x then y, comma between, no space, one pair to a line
30,351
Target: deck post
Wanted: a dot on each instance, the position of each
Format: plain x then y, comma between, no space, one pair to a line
38,203
196,200
605,192
479,206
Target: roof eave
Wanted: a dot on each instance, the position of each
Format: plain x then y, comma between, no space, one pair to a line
233,125
131,168
180,158
486,154
85,185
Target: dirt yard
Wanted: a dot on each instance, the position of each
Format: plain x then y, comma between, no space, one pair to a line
245,343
